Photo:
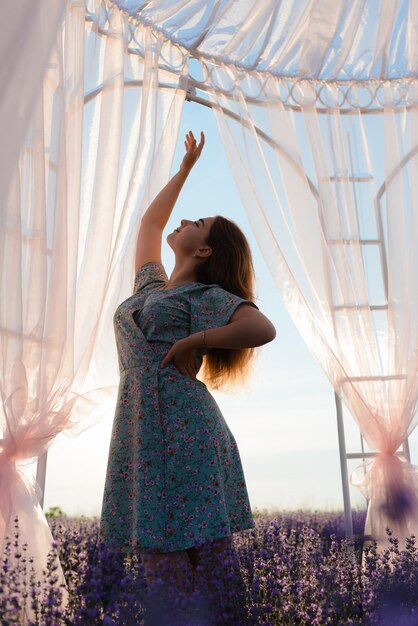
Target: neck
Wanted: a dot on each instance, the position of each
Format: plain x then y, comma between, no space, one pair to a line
183,272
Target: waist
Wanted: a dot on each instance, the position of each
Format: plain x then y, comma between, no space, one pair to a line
146,371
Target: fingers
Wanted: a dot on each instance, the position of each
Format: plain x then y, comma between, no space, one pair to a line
190,372
190,142
184,360
193,369
201,143
192,139
166,360
187,369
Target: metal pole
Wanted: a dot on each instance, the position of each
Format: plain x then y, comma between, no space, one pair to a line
406,451
344,473
41,476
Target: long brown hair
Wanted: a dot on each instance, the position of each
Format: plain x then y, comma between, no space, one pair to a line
230,266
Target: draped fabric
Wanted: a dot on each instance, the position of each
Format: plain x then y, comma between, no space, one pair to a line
98,144
322,141
316,103
332,201
19,68
299,39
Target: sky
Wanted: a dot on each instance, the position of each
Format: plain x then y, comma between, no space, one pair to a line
283,419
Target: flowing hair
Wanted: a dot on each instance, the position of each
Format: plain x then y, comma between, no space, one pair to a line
231,267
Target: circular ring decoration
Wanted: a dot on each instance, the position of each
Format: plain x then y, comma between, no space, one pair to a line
138,39
221,77
367,94
252,85
271,90
284,91
303,92
391,94
411,93
331,95
197,71
173,56
359,96
129,34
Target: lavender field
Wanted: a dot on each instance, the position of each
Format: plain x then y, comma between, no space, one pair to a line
292,569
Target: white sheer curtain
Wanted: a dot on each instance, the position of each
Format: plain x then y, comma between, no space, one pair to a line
332,198
83,154
324,39
24,53
317,107
99,142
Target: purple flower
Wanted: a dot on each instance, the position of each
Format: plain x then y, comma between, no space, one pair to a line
292,568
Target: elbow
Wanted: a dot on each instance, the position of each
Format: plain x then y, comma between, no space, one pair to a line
267,333
271,333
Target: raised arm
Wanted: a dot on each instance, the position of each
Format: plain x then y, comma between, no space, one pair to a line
148,247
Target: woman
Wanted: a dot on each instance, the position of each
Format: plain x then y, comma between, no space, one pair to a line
174,482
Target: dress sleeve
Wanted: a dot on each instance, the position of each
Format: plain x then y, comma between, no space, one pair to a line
213,307
151,273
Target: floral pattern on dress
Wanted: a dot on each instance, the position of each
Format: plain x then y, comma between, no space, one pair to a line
174,476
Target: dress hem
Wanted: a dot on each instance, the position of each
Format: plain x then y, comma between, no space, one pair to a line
132,548
210,539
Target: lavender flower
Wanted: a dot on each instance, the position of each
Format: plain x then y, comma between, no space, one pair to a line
292,569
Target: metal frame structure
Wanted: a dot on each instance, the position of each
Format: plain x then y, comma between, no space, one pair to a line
346,456
192,96
378,241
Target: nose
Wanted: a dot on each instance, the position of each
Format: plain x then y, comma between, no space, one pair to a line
184,222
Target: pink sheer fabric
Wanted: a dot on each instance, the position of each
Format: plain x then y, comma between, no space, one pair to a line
85,150
316,103
99,143
332,199
24,53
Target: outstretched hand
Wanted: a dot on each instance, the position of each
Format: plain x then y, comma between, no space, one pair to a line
193,150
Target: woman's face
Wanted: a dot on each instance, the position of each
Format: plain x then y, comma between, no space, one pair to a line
190,236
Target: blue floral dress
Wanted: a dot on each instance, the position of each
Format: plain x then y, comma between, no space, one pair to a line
174,476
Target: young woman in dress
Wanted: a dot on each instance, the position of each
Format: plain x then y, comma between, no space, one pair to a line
175,488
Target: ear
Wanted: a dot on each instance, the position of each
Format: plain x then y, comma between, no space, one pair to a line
203,253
